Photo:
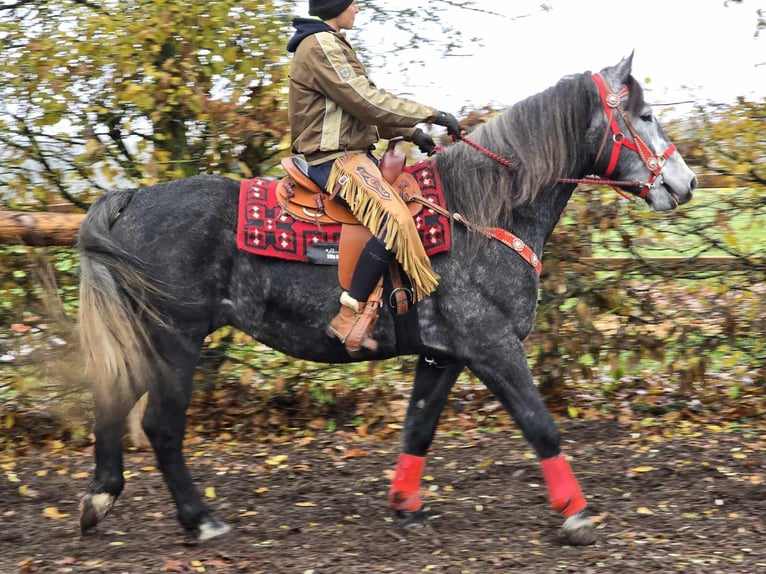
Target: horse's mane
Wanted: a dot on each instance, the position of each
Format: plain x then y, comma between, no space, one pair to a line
544,137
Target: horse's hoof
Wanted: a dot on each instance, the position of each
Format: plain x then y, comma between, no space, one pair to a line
93,509
578,530
411,518
212,528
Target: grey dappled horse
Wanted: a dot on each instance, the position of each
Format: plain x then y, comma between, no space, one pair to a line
161,270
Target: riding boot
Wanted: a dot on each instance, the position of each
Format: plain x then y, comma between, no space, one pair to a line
357,302
342,326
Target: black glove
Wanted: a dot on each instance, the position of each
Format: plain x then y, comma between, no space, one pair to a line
424,142
450,122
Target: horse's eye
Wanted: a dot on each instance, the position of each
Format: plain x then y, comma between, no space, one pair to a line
647,117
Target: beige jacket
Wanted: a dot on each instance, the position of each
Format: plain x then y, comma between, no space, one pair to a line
334,108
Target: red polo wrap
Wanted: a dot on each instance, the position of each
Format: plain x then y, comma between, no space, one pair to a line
405,488
563,489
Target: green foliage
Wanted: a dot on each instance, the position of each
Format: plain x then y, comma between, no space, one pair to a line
123,92
687,317
24,273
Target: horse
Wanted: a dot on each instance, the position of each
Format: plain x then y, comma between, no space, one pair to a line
160,270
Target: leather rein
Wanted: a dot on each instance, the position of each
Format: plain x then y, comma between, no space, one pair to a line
611,102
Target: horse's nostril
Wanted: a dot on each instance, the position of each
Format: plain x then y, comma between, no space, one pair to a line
693,183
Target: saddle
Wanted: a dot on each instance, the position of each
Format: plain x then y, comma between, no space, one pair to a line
304,200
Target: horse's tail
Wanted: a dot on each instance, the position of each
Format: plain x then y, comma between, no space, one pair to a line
114,309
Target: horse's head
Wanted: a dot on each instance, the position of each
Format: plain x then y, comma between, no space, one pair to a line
632,146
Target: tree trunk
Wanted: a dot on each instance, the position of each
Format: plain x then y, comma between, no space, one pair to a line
38,228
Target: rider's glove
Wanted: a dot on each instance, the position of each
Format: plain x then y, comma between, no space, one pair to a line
424,142
450,122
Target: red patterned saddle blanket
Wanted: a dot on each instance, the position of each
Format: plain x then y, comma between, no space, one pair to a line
263,227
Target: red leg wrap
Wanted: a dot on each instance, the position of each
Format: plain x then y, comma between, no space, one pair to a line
404,493
563,489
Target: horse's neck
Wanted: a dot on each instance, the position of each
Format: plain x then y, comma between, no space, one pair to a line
534,222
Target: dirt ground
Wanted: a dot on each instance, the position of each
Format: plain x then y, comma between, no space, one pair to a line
691,502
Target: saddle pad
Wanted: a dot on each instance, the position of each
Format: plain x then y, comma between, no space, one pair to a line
263,228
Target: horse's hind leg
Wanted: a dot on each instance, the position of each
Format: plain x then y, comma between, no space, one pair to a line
505,372
108,481
433,382
164,423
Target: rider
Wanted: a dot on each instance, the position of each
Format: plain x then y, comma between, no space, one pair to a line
337,113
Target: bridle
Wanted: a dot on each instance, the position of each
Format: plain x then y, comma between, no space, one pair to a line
654,163
611,102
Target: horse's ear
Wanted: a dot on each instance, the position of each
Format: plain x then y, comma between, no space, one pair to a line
622,70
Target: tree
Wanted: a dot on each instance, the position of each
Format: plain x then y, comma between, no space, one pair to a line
125,93
729,141
95,95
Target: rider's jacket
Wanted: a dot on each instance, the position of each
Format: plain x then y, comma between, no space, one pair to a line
334,108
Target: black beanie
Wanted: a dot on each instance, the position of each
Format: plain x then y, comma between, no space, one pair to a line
328,9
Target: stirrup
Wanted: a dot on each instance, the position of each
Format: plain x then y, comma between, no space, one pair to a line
359,336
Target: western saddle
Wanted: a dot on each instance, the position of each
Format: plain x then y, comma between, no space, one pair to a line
303,199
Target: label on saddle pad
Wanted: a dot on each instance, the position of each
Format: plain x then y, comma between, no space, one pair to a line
323,253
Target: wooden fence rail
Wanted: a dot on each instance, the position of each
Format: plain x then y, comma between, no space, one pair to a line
45,228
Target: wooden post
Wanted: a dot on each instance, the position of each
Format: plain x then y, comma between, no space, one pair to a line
39,228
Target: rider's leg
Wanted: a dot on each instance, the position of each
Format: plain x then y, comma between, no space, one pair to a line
370,267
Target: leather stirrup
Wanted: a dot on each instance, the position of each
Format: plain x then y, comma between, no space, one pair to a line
365,324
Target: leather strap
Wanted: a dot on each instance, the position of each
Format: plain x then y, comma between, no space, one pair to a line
292,167
505,237
365,324
400,295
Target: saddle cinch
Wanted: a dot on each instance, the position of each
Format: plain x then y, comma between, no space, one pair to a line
303,199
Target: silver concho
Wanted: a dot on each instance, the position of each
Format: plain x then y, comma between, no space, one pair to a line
613,100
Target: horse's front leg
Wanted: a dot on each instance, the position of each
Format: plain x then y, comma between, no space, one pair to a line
505,372
433,382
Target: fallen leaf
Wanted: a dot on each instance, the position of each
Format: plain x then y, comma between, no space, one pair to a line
355,452
53,512
276,460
